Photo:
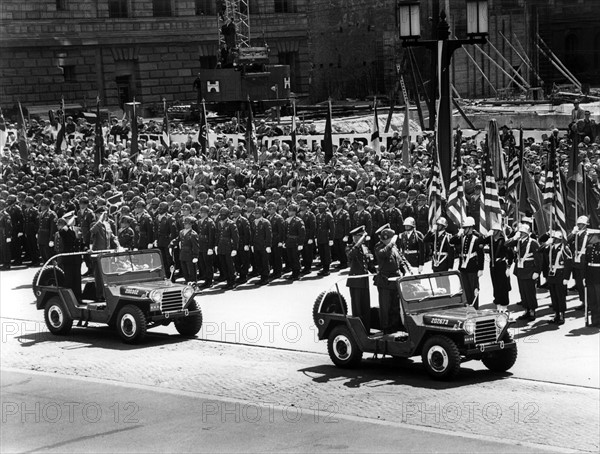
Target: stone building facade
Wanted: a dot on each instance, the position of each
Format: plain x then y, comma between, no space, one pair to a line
121,49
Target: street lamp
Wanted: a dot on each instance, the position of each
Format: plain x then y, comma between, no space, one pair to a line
410,30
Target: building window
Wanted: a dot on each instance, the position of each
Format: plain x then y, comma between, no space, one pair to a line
161,8
291,59
208,62
69,73
117,8
285,6
61,5
205,8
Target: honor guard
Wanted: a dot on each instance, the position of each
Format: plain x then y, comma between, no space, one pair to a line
310,224
242,259
30,227
556,264
295,234
261,245
189,250
592,278
471,259
577,241
411,245
227,243
206,244
325,233
501,257
442,258
341,220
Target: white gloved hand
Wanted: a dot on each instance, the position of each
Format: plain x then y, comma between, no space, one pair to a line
420,269
194,260
216,250
50,244
20,234
150,245
461,232
565,282
368,238
155,243
135,249
345,239
479,273
575,229
280,244
210,252
233,253
330,242
310,241
8,240
268,249
300,247
534,276
246,248
507,272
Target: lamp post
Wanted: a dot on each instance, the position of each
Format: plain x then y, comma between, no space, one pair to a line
410,33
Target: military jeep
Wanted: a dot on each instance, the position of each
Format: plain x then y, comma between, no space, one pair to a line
438,324
136,296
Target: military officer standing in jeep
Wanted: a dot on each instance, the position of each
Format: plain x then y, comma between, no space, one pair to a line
410,243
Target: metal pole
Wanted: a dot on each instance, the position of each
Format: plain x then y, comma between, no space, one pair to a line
559,61
522,58
560,70
508,63
481,71
499,67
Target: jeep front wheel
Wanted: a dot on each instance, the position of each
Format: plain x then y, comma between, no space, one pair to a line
57,318
131,324
190,326
343,349
501,360
441,358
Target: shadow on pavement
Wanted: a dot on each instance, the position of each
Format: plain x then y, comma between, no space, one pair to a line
395,371
24,286
97,337
583,331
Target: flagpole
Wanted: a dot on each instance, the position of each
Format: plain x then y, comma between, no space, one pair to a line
521,165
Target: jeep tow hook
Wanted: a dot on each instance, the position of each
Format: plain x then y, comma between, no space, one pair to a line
501,345
482,348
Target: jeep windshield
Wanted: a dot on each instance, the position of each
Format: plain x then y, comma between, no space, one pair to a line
431,292
131,262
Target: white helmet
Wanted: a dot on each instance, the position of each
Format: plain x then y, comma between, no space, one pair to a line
468,222
557,234
524,228
442,221
409,221
582,220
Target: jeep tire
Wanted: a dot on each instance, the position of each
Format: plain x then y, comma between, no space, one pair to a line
501,360
57,318
441,357
131,324
343,349
329,303
49,277
189,326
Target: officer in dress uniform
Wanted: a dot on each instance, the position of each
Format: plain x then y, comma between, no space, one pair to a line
341,220
295,234
471,259
361,262
501,258
189,250
310,224
47,229
556,264
577,241
206,242
527,268
262,238
16,217
442,250
592,277
5,236
393,215
325,233
71,265
277,238
411,245
30,228
227,243
242,259
389,265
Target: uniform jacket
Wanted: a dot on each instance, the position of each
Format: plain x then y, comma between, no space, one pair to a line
361,261
341,221
243,226
189,245
527,262
85,219
206,234
310,224
295,232
47,227
16,217
277,229
363,218
377,217
5,227
442,250
393,216
144,230
165,230
101,237
592,264
126,237
325,227
411,244
557,261
469,262
227,238
262,236
389,264
31,222
578,244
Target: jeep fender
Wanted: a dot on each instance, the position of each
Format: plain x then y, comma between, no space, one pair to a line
142,304
330,321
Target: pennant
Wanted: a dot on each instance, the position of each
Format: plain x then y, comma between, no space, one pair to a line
165,138
251,133
22,137
328,137
375,139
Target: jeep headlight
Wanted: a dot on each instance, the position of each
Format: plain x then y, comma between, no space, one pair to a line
187,293
469,326
155,296
501,321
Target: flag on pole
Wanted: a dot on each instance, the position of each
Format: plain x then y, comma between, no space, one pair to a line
166,135
99,139
490,211
513,180
496,152
574,172
406,135
61,143
436,191
531,200
456,205
559,213
134,131
328,138
22,136
375,139
294,139
3,133
203,130
251,133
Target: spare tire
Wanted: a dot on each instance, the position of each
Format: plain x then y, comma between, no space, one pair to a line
329,303
48,277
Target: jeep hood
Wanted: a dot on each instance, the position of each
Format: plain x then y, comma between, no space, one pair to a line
458,313
141,288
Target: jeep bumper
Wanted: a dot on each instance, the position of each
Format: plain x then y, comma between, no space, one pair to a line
478,350
171,315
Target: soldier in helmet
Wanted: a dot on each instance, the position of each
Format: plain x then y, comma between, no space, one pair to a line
262,239
471,259
393,215
577,241
189,250
165,231
207,239
592,277
325,233
5,236
30,228
46,230
295,233
227,243
361,262
310,224
442,250
341,220
556,263
144,228
242,259
16,217
501,258
411,244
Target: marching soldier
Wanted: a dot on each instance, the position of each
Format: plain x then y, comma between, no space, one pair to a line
471,259
361,262
557,261
527,269
227,243
206,245
325,233
310,224
261,244
30,228
47,229
295,234
5,236
341,220
411,245
577,241
592,277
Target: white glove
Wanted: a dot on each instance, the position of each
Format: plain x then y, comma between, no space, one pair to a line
135,249
310,241
233,253
20,234
246,248
150,245
345,239
368,238
155,243
268,249
461,232
575,229
420,269
330,242
194,260
210,252
479,273
8,240
300,247
216,250
507,272
534,276
565,282
50,244
280,244
65,228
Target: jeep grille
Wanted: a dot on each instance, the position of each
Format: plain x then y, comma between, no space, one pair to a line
172,301
485,331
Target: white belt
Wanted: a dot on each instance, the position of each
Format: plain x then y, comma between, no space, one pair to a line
594,264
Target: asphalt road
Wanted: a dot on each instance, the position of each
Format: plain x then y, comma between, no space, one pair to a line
262,353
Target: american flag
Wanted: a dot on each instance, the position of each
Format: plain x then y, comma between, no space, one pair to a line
436,191
490,211
514,175
375,133
553,191
165,139
456,206
61,142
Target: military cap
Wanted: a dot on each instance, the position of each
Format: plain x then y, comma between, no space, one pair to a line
45,201
340,201
293,207
140,204
101,209
188,220
358,230
236,208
